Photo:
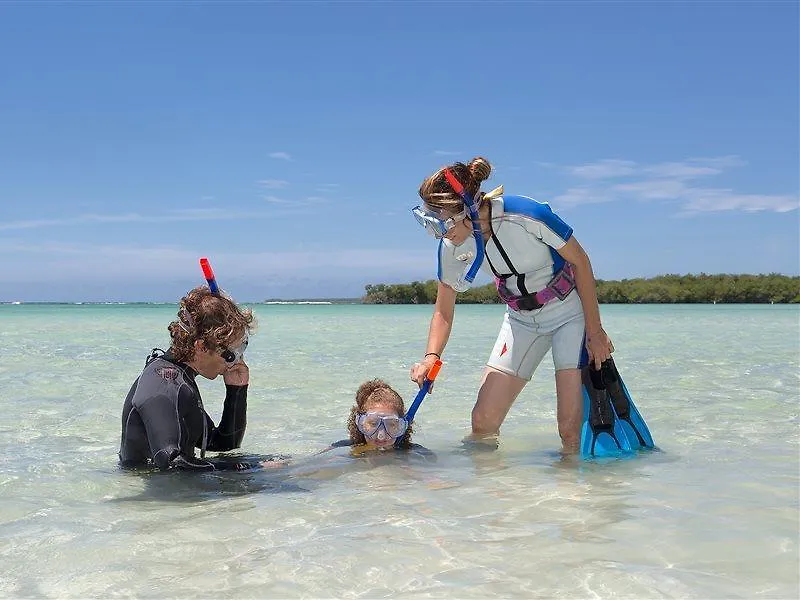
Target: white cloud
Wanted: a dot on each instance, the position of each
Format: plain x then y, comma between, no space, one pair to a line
273,184
280,155
178,215
614,179
575,196
77,220
276,200
603,169
198,214
680,170
709,200
721,162
654,189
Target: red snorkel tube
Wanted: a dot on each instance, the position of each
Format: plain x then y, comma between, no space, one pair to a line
208,273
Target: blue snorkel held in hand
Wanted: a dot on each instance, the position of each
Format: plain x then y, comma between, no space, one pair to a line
423,391
208,273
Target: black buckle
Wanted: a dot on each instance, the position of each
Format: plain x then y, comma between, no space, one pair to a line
529,303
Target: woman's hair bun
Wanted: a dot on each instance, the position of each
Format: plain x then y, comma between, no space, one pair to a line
479,168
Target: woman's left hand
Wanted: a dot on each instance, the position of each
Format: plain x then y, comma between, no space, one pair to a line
237,374
599,346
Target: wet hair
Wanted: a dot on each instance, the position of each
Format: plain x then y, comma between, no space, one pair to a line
437,192
372,393
215,320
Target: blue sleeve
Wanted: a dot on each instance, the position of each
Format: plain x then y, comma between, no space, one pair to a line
548,226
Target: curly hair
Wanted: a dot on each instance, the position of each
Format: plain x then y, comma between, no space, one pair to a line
372,393
213,319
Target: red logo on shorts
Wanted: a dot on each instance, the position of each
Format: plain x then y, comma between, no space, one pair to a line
504,350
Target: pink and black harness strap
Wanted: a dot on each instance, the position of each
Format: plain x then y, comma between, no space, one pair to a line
559,288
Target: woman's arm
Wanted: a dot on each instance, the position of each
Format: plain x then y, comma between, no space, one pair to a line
598,344
438,332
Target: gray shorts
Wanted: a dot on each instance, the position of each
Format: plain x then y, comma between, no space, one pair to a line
526,336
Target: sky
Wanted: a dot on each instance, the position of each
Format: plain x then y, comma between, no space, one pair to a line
286,141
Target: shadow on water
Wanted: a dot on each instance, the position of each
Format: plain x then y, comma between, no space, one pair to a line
245,474
235,475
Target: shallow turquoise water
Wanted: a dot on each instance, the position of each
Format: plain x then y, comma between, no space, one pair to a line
713,515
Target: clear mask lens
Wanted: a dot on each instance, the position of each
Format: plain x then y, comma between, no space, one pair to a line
434,224
370,424
235,355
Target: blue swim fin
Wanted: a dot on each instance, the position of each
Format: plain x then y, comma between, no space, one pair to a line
636,429
603,434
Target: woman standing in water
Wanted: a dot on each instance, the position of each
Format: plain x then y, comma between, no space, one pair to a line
542,273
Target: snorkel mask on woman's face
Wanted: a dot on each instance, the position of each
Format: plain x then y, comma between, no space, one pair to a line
433,222
439,227
234,355
371,423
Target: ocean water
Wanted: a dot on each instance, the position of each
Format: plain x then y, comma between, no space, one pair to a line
713,514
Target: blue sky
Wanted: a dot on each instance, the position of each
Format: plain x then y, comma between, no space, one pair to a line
287,141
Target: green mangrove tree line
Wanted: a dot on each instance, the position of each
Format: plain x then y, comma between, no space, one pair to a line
664,289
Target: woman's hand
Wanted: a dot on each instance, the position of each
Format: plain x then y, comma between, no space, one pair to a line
599,347
237,374
420,370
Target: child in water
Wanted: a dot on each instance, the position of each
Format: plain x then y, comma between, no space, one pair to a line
377,419
376,423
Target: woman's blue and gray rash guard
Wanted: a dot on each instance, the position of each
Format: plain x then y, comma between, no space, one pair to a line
163,419
526,235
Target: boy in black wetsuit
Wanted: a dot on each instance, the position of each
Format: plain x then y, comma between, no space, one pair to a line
163,419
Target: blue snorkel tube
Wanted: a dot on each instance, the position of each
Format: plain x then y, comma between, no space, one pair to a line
423,391
430,376
472,207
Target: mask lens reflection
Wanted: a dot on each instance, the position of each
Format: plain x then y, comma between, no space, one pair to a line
371,423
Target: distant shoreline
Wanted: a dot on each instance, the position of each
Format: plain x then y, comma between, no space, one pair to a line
663,289
359,302
301,301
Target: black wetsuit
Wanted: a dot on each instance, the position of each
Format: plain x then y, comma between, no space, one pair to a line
163,419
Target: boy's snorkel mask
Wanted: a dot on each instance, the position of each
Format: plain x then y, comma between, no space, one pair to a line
439,227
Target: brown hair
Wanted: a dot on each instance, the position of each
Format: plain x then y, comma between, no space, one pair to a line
213,319
437,192
370,393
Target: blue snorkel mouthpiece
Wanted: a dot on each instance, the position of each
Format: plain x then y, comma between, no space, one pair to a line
472,208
